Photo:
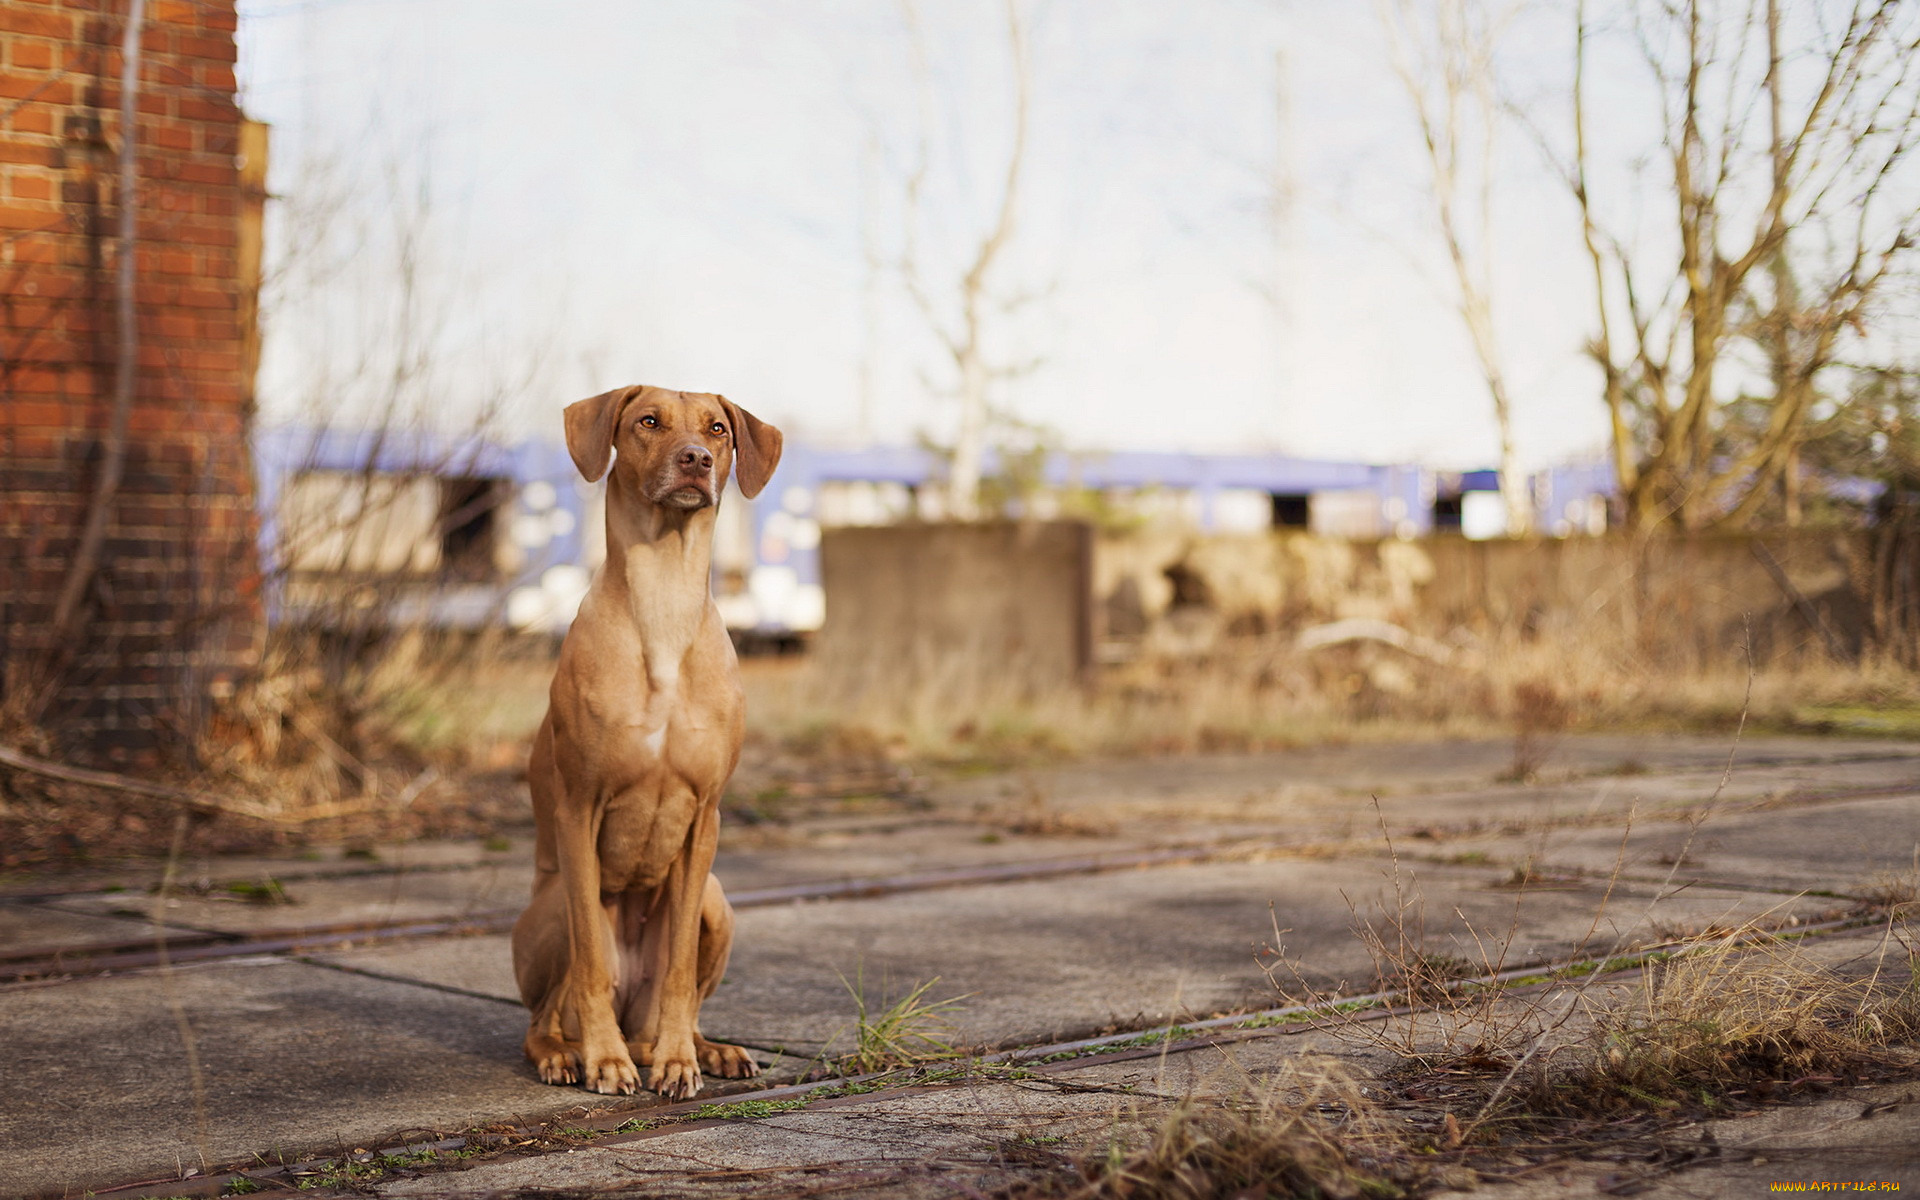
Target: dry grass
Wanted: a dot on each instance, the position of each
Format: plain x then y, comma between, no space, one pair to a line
1503,1080
907,1032
1740,1013
1310,1131
325,713
1194,711
1896,893
1744,1015
405,736
1258,693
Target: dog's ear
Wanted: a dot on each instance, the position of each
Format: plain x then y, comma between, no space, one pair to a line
590,426
756,449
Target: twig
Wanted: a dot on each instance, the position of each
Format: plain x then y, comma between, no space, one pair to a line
187,1039
86,556
1801,604
188,799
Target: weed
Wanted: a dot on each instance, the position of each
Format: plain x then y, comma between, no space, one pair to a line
910,1031
1308,1133
1451,1014
1024,810
265,890
1524,874
1152,1037
1743,1014
1893,892
1539,713
240,1185
748,1110
497,845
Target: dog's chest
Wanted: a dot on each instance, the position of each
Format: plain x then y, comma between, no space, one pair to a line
641,837
667,771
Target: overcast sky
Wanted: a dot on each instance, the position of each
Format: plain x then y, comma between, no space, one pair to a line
688,193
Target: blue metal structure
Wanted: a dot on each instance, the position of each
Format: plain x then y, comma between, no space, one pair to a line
767,564
545,513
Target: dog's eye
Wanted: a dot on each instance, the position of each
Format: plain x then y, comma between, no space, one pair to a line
649,421
716,429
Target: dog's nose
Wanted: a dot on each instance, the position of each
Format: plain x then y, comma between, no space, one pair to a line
693,458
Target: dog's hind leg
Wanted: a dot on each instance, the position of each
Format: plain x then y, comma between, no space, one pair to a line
540,960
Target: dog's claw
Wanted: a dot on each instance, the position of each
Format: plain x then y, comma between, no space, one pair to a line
559,1067
675,1080
726,1062
613,1077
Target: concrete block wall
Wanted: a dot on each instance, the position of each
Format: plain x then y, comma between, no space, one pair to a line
955,612
173,613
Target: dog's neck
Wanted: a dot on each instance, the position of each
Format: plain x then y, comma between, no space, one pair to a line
658,570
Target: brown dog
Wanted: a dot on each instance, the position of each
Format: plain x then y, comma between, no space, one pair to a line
628,932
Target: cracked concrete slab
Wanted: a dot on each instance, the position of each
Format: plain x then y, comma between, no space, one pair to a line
1842,846
100,1085
30,927
363,1043
403,895
1062,958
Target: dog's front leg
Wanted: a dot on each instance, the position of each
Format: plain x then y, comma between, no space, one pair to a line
586,992
675,1070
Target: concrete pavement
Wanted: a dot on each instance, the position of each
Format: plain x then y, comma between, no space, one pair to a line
351,1047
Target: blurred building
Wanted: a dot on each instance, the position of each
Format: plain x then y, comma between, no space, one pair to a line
415,528
406,527
169,610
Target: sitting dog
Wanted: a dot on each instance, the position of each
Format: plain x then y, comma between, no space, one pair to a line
628,930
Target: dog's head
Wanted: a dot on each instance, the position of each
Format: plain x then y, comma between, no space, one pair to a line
677,449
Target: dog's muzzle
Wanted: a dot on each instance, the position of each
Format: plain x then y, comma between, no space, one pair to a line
687,479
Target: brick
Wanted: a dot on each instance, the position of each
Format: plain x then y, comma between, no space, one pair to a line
36,22
22,152
170,75
32,54
196,108
33,118
24,186
219,49
36,88
17,411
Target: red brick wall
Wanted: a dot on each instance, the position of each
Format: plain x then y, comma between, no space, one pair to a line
174,608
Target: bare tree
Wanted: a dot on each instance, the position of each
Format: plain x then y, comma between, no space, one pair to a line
959,317
1443,53
1791,184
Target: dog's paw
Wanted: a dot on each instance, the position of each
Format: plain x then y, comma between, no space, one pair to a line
675,1078
557,1062
613,1075
560,1068
726,1062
